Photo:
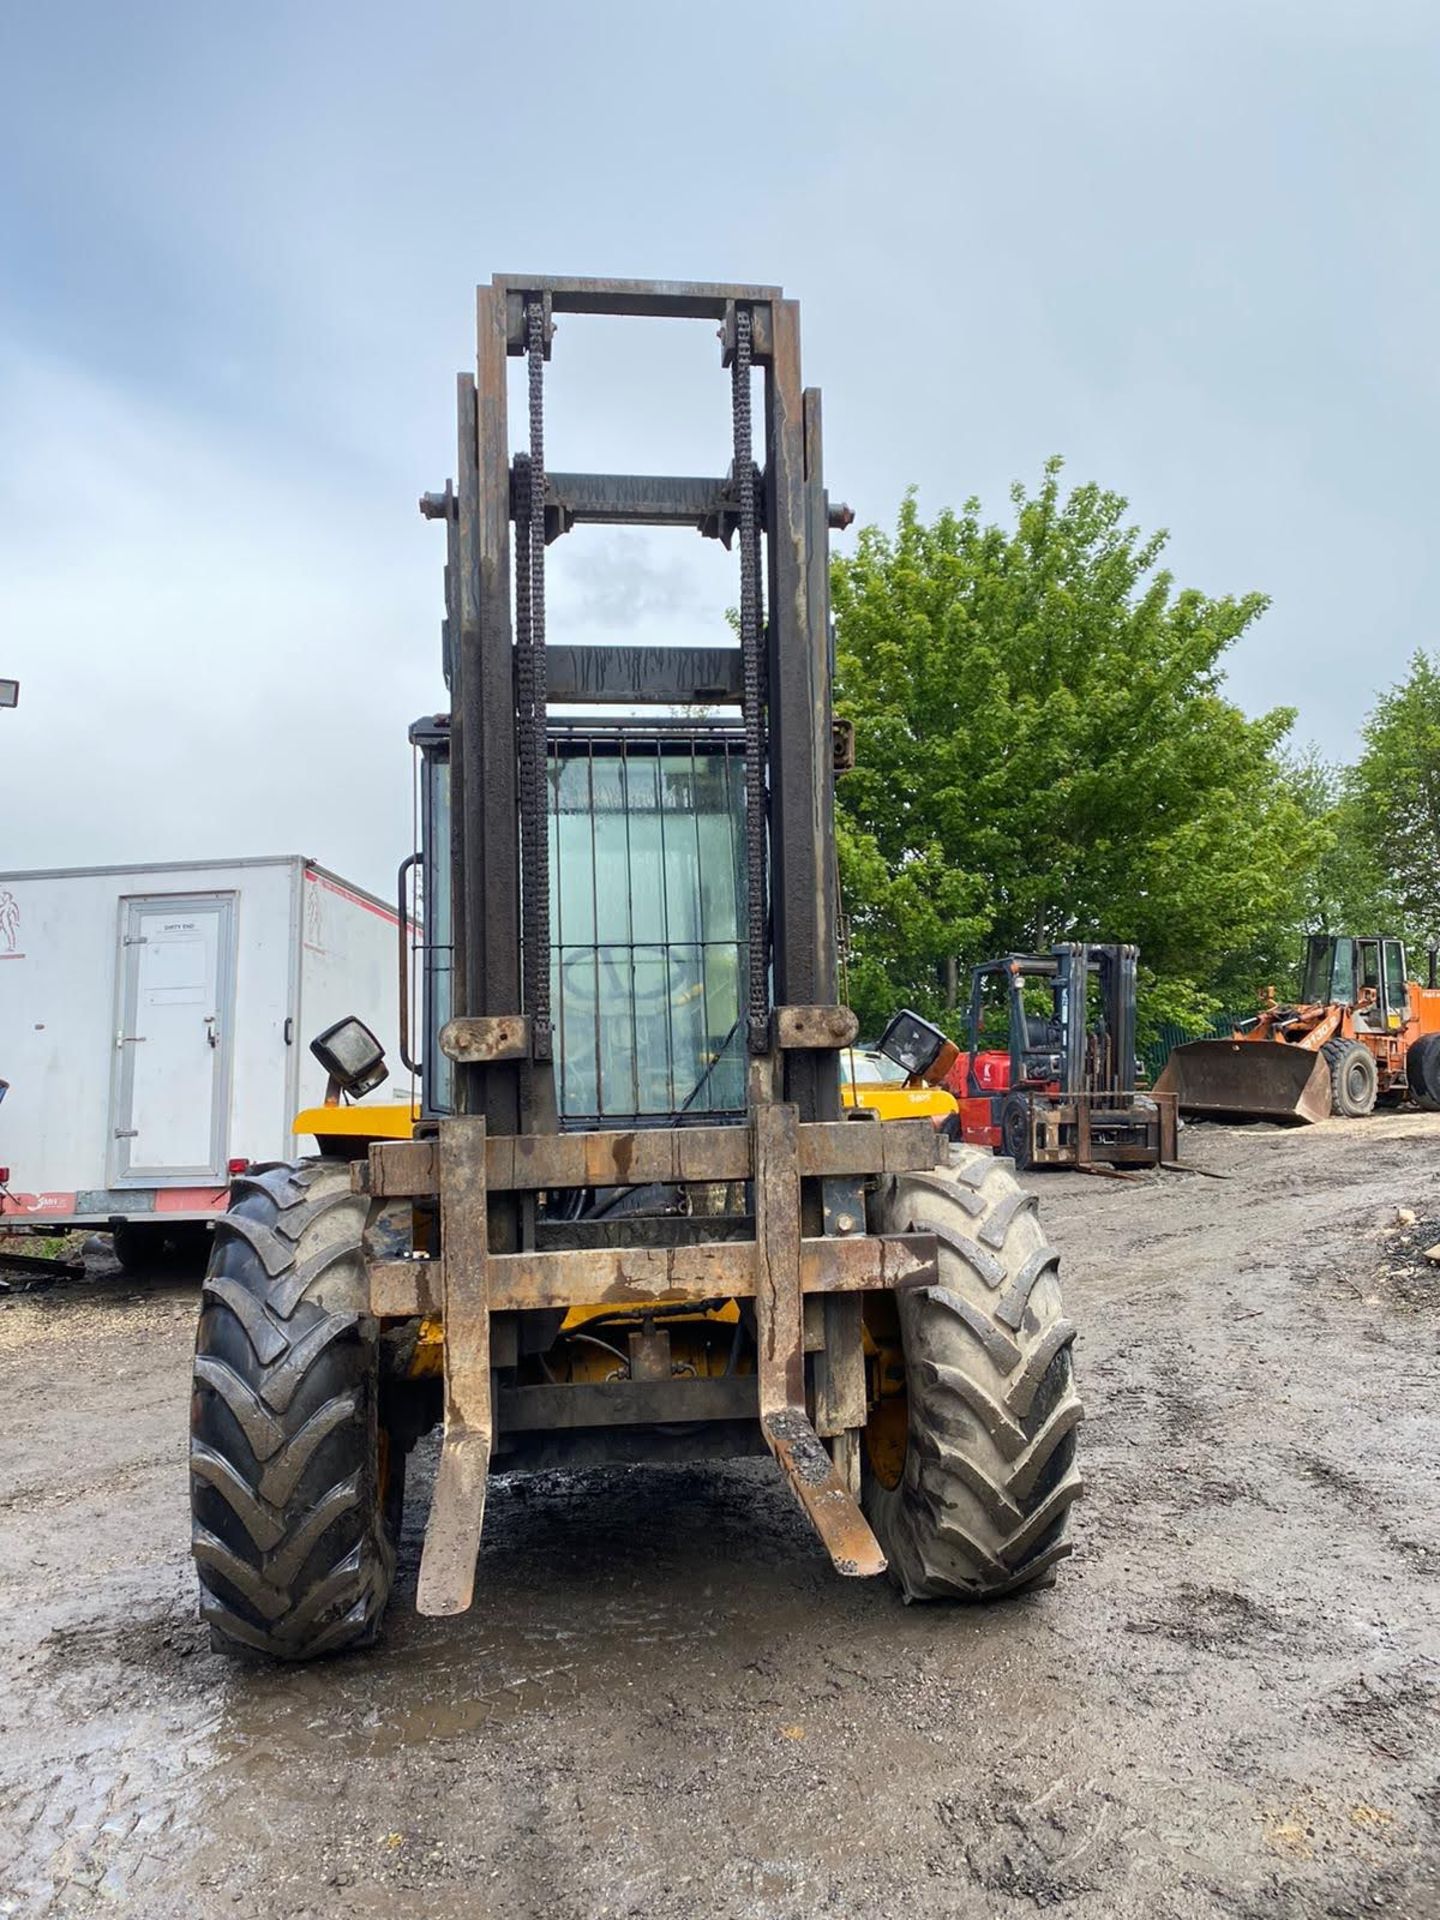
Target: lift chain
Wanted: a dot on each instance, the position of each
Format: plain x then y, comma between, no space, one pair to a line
752,707
531,698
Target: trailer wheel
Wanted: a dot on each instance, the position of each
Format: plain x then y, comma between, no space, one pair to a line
1422,1072
1354,1077
295,1489
1015,1132
976,1501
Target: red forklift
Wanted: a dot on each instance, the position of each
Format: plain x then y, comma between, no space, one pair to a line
1048,1077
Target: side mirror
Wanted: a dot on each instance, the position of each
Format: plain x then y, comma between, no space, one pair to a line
922,1050
352,1056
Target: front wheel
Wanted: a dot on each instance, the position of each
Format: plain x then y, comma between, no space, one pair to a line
1354,1078
1015,1132
973,1499
295,1489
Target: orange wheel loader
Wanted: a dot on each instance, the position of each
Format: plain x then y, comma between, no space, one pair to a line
1361,1031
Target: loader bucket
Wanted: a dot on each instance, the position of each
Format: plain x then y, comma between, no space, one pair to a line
1248,1080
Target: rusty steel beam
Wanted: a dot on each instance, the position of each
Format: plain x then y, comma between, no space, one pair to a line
801,746
778,1288
648,676
683,1155
821,1027
653,299
488,881
811,1474
476,1039
650,1276
624,1403
638,500
457,1509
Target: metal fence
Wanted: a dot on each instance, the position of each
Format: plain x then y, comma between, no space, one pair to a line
1168,1036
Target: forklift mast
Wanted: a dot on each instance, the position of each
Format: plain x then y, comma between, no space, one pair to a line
1074,1051
1100,1053
495,1158
504,677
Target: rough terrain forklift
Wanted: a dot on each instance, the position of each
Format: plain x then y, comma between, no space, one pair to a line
627,1220
1362,1030
1061,1091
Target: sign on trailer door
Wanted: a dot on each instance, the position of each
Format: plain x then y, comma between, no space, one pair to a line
171,1096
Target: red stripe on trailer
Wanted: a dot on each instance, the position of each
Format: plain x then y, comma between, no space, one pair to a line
29,1206
355,899
191,1199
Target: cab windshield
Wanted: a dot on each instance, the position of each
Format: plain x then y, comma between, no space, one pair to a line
1329,971
646,922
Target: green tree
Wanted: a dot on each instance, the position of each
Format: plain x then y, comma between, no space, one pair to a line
1344,891
1044,752
1390,801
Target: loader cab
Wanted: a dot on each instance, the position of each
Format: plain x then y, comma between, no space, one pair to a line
1366,974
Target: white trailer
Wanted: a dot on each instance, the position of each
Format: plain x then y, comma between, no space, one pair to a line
155,1026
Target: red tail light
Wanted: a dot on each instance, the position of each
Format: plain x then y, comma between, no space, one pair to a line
237,1166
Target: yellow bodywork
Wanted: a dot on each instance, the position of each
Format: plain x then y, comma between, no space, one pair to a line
894,1102
868,1079
382,1120
394,1120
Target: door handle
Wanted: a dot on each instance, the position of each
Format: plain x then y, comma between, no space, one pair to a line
211,1029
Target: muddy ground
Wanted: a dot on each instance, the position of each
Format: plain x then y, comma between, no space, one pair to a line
665,1704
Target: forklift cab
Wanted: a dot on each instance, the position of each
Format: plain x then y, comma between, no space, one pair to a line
1366,974
646,909
1080,1039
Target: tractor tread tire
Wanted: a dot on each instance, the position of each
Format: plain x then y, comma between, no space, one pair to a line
982,1507
1422,1072
293,1537
1343,1058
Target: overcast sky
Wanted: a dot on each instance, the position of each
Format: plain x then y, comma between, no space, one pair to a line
1192,249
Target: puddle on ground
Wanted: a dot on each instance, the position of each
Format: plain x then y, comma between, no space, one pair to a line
450,1679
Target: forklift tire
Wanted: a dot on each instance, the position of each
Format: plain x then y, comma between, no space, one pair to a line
1015,1132
981,1506
1354,1078
1422,1072
295,1489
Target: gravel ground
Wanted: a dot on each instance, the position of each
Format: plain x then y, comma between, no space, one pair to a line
664,1704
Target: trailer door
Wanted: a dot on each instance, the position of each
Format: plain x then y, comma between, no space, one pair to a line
171,1088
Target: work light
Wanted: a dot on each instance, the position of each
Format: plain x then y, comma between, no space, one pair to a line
351,1055
912,1043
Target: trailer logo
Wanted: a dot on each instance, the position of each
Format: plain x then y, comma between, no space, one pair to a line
9,926
314,917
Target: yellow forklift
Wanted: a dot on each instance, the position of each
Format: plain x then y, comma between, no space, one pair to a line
627,1218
